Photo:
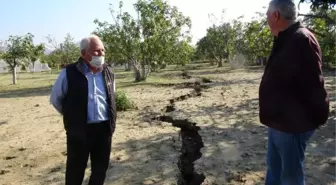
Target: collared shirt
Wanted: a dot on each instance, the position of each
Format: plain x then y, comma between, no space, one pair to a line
97,104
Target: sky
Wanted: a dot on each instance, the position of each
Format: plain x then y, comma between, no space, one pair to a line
59,17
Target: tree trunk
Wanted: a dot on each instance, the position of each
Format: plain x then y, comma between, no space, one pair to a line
137,73
14,75
327,62
33,67
129,66
264,61
220,62
164,66
140,72
143,71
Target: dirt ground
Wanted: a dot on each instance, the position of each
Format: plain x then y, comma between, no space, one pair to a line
33,148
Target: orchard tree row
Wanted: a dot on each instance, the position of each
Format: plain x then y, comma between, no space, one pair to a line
159,35
20,51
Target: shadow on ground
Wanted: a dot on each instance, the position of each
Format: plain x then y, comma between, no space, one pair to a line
153,160
234,154
26,92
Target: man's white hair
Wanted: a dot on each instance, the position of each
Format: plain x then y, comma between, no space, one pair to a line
286,8
85,42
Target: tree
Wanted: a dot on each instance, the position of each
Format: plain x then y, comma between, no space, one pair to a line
323,24
70,49
36,52
236,40
62,53
54,58
2,48
321,20
320,6
150,40
317,4
239,39
17,52
183,53
258,39
220,42
121,38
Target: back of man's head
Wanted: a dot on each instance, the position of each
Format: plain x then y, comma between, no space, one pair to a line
280,15
286,8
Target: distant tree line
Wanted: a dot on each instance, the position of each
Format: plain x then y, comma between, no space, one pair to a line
160,35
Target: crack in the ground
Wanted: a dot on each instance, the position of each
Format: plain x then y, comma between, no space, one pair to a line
194,93
191,140
190,151
197,86
183,85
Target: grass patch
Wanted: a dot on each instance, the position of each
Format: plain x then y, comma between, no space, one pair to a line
123,103
124,79
27,81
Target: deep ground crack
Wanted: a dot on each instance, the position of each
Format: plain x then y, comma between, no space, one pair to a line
190,152
194,93
197,86
191,140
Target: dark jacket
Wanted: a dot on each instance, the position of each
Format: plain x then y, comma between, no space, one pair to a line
292,96
75,102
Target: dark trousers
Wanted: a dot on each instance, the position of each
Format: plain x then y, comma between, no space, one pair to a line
97,145
285,157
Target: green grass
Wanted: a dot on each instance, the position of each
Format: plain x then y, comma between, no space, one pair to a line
124,79
27,81
31,81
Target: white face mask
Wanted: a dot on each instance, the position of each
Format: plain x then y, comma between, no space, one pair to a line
97,61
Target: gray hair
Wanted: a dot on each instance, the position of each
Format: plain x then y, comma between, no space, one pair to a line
85,42
286,8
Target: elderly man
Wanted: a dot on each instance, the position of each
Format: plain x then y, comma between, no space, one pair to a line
84,95
292,98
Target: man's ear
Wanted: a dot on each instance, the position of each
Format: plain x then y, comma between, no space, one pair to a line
277,16
83,52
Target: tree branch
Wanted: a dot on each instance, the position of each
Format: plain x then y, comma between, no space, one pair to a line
320,16
324,4
315,32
